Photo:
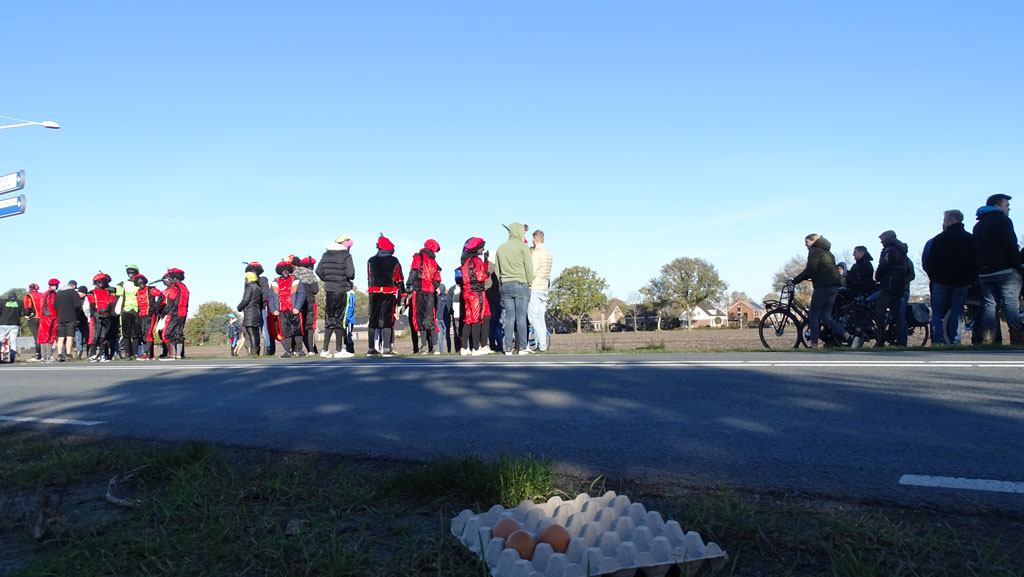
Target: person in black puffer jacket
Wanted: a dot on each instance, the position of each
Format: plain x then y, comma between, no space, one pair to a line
861,278
821,271
951,265
894,273
337,272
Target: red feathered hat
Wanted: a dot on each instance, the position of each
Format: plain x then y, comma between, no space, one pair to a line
474,243
283,266
308,262
53,282
384,244
101,277
33,287
432,245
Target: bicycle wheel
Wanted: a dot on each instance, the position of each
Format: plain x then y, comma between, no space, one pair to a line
780,330
861,321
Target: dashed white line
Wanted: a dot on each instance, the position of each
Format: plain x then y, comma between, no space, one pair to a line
965,484
50,421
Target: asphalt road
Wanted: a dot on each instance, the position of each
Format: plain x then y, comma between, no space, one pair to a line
838,424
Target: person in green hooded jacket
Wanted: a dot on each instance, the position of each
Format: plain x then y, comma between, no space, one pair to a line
821,271
515,273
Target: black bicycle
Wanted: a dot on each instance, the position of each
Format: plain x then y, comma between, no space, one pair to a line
784,324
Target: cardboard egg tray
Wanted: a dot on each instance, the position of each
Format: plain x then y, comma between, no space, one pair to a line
609,535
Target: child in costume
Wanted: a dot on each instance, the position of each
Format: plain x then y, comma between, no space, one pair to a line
474,307
146,298
101,312
386,286
175,310
288,298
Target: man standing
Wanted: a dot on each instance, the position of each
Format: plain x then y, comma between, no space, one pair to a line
894,273
127,308
34,302
11,312
999,267
950,263
67,302
101,310
175,310
541,258
515,273
424,280
386,284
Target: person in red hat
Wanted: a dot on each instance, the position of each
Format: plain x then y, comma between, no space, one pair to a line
174,309
285,305
48,321
101,313
474,303
304,272
147,298
386,284
424,281
33,303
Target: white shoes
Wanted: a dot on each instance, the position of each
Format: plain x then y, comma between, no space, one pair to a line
482,351
325,354
343,355
465,352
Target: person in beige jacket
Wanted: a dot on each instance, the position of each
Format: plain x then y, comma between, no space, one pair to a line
541,258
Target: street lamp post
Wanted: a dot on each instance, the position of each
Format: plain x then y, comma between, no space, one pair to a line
44,124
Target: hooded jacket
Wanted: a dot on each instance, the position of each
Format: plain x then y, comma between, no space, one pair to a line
821,265
861,277
252,305
309,283
995,242
336,269
513,261
895,271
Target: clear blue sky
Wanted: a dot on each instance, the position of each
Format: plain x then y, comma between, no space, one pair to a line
202,134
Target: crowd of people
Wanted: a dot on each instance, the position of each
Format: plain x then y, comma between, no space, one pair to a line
102,323
467,314
988,259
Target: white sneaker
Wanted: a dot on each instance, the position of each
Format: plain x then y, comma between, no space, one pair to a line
509,353
525,351
464,352
437,352
325,354
343,355
480,352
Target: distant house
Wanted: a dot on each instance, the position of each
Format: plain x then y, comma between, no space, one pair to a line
747,311
704,316
599,320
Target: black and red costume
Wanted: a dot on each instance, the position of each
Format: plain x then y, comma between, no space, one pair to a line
101,312
474,302
146,298
424,280
286,305
304,272
174,309
386,284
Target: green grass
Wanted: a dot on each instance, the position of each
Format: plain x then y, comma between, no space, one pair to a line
205,510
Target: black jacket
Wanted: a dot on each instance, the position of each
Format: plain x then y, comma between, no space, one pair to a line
861,278
821,265
951,259
67,303
895,271
995,241
11,311
383,271
252,305
336,269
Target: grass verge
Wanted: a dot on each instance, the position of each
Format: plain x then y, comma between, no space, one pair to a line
203,510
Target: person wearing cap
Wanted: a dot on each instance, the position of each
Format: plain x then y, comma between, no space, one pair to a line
269,325
474,302
252,308
423,283
386,284
1000,268
234,334
286,305
127,308
304,272
101,311
67,302
48,321
337,273
34,302
11,311
147,298
894,273
175,310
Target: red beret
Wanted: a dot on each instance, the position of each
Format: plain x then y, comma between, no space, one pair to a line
384,244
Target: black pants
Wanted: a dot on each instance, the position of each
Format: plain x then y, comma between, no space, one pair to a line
425,307
131,331
254,335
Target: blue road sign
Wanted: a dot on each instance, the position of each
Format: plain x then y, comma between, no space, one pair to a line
12,206
11,182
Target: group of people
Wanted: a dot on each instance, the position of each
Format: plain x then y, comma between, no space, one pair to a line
285,310
105,322
955,260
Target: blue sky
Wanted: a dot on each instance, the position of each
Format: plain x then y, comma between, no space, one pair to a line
199,135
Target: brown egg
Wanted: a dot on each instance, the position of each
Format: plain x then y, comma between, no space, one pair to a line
505,527
523,543
557,537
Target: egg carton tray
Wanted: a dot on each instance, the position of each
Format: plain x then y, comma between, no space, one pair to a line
608,535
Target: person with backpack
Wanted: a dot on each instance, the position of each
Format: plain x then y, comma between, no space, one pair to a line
894,273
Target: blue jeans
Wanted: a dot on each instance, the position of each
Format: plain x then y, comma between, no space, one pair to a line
947,299
1005,288
515,298
442,332
535,312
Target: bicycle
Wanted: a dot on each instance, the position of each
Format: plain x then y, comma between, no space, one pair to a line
531,342
784,324
918,330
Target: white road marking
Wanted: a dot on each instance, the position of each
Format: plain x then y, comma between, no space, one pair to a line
960,483
50,421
